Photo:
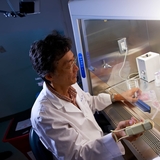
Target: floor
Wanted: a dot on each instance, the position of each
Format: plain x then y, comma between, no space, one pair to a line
6,146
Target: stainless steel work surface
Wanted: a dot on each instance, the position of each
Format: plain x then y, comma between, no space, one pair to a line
147,147
150,95
144,148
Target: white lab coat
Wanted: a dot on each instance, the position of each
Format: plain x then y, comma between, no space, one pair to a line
71,133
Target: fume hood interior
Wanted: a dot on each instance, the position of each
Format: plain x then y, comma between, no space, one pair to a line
108,69
108,40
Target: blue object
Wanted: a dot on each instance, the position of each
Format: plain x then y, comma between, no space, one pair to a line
143,106
81,65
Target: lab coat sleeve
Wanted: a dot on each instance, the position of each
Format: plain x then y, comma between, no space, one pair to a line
98,102
70,144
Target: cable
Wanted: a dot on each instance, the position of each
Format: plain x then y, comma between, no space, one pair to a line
12,13
11,7
116,138
136,75
126,52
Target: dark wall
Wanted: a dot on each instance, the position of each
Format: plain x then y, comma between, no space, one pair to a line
18,87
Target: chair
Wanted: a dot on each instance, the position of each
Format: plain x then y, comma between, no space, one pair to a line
38,149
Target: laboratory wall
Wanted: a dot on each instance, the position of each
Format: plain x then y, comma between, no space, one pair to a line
18,81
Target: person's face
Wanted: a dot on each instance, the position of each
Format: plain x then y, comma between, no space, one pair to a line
66,71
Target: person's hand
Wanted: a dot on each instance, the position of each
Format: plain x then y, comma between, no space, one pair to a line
124,124
131,95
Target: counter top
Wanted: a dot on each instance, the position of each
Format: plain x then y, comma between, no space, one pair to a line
146,147
150,95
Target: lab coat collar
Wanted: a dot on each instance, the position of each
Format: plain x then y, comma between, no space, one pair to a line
57,102
53,99
70,107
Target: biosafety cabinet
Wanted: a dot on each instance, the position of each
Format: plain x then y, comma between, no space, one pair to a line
109,36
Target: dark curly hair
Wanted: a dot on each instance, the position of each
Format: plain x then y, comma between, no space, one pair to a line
45,53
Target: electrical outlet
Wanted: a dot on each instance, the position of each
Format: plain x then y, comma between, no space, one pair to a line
122,45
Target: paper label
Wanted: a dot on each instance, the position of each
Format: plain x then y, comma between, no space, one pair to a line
23,124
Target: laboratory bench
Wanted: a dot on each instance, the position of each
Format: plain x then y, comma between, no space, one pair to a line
146,147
